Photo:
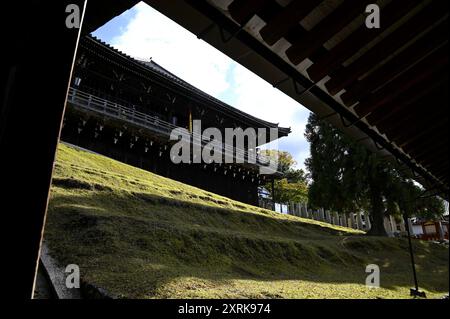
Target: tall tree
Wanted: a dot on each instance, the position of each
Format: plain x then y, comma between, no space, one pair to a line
292,187
345,176
335,168
407,199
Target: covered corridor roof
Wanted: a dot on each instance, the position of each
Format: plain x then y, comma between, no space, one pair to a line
386,87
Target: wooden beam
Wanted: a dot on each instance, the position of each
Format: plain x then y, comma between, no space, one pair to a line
399,63
328,27
434,154
391,43
431,158
406,108
406,137
423,145
424,70
359,38
414,119
399,105
104,12
285,20
272,9
36,69
427,148
420,137
437,167
244,10
441,171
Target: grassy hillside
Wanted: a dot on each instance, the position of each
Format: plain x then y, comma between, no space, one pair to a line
140,235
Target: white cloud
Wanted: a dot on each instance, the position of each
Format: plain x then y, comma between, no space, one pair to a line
257,97
151,34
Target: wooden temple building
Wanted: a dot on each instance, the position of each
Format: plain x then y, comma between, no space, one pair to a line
125,109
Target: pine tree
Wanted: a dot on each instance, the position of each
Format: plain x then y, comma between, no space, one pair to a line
345,177
292,187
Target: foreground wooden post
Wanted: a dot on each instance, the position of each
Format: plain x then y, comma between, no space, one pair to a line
35,71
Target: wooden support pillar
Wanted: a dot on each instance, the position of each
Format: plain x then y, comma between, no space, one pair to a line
190,119
29,135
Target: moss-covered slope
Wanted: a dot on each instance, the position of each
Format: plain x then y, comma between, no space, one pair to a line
140,235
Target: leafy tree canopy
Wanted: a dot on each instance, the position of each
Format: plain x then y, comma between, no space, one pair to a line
292,187
346,177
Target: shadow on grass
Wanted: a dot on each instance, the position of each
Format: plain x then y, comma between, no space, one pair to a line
134,244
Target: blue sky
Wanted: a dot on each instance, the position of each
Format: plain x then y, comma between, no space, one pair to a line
144,33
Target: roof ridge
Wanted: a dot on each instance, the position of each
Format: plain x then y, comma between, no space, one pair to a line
190,86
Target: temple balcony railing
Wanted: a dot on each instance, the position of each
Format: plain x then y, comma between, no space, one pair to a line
153,123
118,111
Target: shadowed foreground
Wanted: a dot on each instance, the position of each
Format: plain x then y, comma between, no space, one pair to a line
140,235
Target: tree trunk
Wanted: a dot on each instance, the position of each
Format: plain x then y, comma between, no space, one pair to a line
376,201
377,222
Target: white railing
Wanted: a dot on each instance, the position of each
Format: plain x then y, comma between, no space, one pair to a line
115,110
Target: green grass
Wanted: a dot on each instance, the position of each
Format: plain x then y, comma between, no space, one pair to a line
140,235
